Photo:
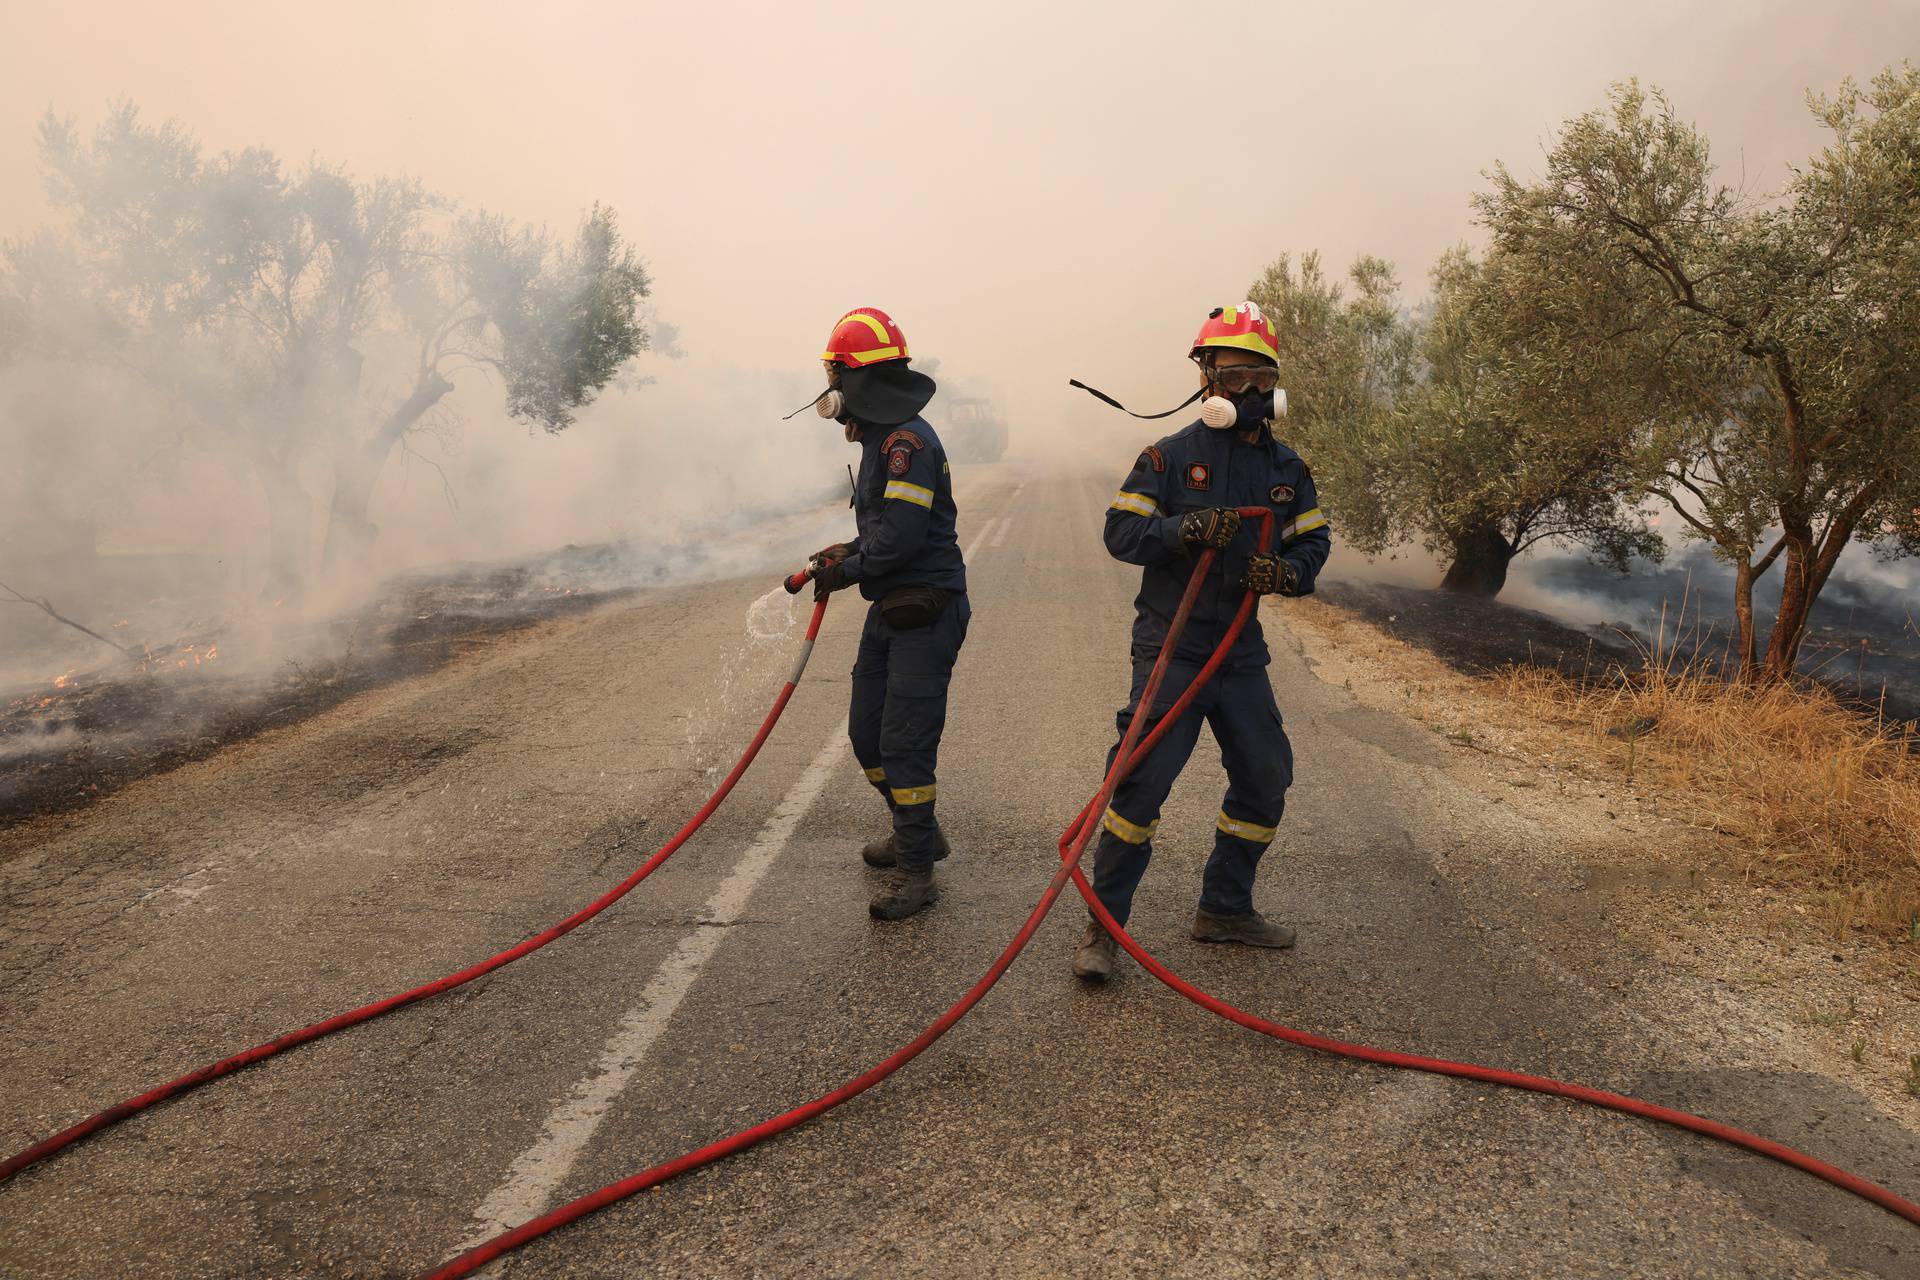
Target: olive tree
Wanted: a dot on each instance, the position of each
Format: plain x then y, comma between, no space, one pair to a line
1758,356
298,315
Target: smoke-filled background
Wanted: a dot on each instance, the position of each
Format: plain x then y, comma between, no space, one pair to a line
1035,192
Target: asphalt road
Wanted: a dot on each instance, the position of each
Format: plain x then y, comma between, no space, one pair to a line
1059,1130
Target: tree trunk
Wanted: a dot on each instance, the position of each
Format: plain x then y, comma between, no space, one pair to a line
1480,560
1807,571
350,533
289,527
1743,615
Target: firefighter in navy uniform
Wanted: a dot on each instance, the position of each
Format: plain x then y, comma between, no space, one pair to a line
1180,498
905,560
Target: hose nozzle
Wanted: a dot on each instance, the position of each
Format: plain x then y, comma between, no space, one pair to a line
798,580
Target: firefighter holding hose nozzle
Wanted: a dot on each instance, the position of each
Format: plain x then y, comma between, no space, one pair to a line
1182,496
906,560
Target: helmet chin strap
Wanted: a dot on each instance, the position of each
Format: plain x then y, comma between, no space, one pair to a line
1101,395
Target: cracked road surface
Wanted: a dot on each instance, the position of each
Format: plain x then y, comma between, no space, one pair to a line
1057,1131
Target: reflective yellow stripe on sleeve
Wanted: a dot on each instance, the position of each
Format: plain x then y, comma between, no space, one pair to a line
1246,830
918,495
1305,522
1131,832
914,795
1138,503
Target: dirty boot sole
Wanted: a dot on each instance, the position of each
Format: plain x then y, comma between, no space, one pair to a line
897,902
1247,931
1093,964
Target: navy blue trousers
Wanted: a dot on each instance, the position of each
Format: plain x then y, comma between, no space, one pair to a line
1240,709
898,709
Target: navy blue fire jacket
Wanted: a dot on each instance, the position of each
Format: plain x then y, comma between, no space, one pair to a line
1203,467
903,507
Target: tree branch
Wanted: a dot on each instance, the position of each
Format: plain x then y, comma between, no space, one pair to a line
46,607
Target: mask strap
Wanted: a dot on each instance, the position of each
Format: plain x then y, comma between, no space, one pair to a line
808,405
1101,395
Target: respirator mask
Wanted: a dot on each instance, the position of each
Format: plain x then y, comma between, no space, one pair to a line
1241,396
1245,396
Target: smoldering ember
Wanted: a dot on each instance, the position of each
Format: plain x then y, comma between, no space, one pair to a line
577,589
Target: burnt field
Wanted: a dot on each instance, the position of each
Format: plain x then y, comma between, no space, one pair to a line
86,735
1864,648
80,735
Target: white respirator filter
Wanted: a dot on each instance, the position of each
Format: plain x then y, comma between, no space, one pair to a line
1218,412
831,405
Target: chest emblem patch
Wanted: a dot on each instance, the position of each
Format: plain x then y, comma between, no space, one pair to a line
1199,476
898,460
1280,494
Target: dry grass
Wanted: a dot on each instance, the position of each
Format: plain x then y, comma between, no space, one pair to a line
1821,797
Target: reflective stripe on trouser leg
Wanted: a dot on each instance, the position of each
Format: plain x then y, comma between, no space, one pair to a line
1259,764
919,665
1126,829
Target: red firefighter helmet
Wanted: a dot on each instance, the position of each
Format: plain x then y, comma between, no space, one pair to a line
1242,326
863,336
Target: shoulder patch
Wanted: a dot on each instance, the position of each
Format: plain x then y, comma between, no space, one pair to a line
1280,494
1199,476
899,460
902,438
1152,457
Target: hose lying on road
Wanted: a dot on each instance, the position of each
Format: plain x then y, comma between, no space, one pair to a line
1072,846
339,1022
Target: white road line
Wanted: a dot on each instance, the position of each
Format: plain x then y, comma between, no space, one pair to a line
538,1172
1006,523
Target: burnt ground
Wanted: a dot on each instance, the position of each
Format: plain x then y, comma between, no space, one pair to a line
1476,636
66,745
1479,637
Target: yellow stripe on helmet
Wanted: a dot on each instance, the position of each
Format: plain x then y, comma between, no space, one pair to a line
1250,341
918,495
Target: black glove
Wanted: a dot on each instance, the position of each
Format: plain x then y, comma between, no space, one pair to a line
1210,526
1268,574
828,555
829,578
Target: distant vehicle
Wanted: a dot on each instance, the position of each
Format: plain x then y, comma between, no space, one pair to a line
972,430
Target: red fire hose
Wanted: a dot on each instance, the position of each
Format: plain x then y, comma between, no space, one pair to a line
339,1022
1073,844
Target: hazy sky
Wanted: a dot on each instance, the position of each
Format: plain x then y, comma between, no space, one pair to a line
1035,192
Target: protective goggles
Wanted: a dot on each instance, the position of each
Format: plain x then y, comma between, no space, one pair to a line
1245,377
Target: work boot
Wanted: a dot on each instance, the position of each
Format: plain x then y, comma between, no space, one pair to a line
1094,961
902,893
1251,929
884,852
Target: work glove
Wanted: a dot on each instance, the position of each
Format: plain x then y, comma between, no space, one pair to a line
829,578
1268,574
828,555
1210,527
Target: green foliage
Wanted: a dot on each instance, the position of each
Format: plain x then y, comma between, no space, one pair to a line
1417,431
1346,361
1756,360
